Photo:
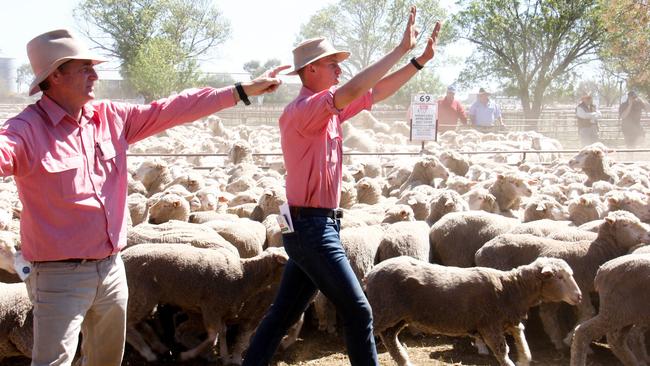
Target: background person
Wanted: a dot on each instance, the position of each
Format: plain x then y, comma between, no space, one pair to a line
484,113
450,111
630,113
311,138
68,158
587,115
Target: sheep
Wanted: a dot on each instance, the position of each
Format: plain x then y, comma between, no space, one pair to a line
348,195
397,213
8,242
208,199
592,160
477,302
419,203
459,184
480,199
425,171
541,206
161,273
405,238
508,190
246,235
369,191
634,202
585,208
178,232
240,152
445,202
154,175
455,162
269,203
191,181
138,208
273,232
16,335
624,293
458,235
619,232
201,217
168,207
243,211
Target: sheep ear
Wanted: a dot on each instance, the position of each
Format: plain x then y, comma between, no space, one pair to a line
610,220
541,207
547,272
500,176
412,201
583,200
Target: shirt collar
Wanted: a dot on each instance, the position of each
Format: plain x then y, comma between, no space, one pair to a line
56,114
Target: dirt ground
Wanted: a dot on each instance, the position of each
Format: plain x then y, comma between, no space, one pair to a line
316,348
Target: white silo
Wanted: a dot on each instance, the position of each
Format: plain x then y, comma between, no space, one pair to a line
7,75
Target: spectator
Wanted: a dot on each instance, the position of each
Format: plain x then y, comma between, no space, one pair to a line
67,154
630,113
587,115
484,113
450,111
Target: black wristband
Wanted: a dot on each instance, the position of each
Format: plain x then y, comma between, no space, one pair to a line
242,93
416,64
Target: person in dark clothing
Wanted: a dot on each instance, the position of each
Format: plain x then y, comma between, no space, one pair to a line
630,114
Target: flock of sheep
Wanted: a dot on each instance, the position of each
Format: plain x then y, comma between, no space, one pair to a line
442,243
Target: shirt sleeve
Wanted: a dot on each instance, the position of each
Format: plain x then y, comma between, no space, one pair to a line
141,121
14,158
461,113
581,113
316,110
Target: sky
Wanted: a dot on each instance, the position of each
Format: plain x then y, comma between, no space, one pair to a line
261,30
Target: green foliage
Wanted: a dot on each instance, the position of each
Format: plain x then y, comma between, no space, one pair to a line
528,45
370,28
180,30
158,69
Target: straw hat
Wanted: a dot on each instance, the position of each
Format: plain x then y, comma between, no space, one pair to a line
50,50
314,49
483,91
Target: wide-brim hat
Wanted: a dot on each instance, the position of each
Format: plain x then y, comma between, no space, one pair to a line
312,50
50,50
483,91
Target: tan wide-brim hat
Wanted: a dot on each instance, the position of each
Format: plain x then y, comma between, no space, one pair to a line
312,50
483,91
49,50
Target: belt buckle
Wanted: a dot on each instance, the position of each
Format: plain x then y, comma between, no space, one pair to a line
338,214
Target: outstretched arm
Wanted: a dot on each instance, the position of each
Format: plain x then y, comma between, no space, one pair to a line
368,77
265,83
391,83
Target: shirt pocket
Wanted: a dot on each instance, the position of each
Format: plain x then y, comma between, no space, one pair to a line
107,155
68,174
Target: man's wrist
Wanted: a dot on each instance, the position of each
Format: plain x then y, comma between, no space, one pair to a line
416,64
241,93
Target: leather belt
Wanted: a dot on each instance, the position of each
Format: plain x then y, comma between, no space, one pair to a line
315,211
74,260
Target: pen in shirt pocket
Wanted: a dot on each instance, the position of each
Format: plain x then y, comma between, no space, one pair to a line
99,148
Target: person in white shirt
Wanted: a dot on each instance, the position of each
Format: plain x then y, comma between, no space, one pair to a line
587,115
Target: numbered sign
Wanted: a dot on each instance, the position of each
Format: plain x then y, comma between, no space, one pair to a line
424,109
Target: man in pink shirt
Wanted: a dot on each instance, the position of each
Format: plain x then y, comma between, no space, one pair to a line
450,111
68,157
310,128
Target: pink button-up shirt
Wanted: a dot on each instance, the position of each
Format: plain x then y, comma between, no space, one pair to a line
311,138
72,176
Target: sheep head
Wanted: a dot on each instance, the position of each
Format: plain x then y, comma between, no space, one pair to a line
557,279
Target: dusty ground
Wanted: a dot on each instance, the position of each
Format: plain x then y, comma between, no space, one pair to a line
315,348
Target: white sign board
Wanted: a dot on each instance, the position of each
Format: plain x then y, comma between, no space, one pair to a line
424,109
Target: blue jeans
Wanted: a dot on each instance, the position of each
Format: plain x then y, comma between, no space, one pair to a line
317,261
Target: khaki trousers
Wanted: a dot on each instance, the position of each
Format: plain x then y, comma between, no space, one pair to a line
88,297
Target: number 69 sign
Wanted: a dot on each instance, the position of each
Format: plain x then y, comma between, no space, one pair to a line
424,110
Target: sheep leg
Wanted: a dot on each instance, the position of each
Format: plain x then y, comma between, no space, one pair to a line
636,341
223,346
152,338
548,316
497,344
585,311
617,341
135,339
481,347
583,334
396,350
325,314
292,335
210,341
523,351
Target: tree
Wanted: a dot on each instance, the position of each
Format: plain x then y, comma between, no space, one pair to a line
24,76
424,81
255,68
628,40
528,45
369,28
183,30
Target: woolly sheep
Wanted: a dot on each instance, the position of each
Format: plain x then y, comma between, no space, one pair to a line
178,232
419,203
508,190
443,203
154,175
624,293
246,235
455,162
541,206
397,213
480,199
457,236
585,208
192,181
201,217
459,184
619,232
405,238
268,203
138,208
222,284
273,232
592,160
634,202
168,207
425,171
348,195
8,242
16,335
369,191
479,302
240,152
